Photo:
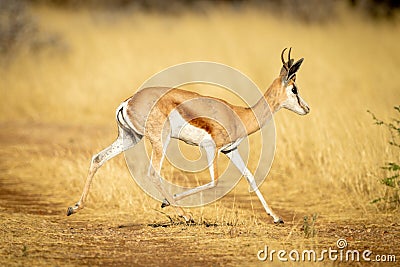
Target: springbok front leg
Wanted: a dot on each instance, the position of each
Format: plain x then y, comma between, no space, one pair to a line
212,166
124,141
237,160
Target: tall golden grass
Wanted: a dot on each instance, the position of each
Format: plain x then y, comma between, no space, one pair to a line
326,162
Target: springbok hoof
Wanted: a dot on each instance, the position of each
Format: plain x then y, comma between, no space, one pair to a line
188,218
70,211
279,221
165,203
190,221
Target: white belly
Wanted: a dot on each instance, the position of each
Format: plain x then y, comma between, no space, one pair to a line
182,130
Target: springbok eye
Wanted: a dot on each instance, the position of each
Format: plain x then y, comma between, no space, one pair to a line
294,90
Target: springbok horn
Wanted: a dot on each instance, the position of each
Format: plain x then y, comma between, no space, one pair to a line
283,61
290,50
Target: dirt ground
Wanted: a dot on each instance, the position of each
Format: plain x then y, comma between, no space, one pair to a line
36,231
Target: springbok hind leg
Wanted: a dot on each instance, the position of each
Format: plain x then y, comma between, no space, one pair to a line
155,175
124,141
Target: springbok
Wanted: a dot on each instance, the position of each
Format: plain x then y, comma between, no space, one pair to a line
152,110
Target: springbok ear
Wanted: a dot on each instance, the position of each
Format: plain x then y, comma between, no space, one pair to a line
293,69
285,67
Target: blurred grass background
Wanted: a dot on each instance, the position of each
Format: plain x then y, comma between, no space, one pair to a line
66,66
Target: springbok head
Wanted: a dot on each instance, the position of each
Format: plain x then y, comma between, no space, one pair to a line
287,76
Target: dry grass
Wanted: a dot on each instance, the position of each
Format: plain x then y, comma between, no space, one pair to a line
57,109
